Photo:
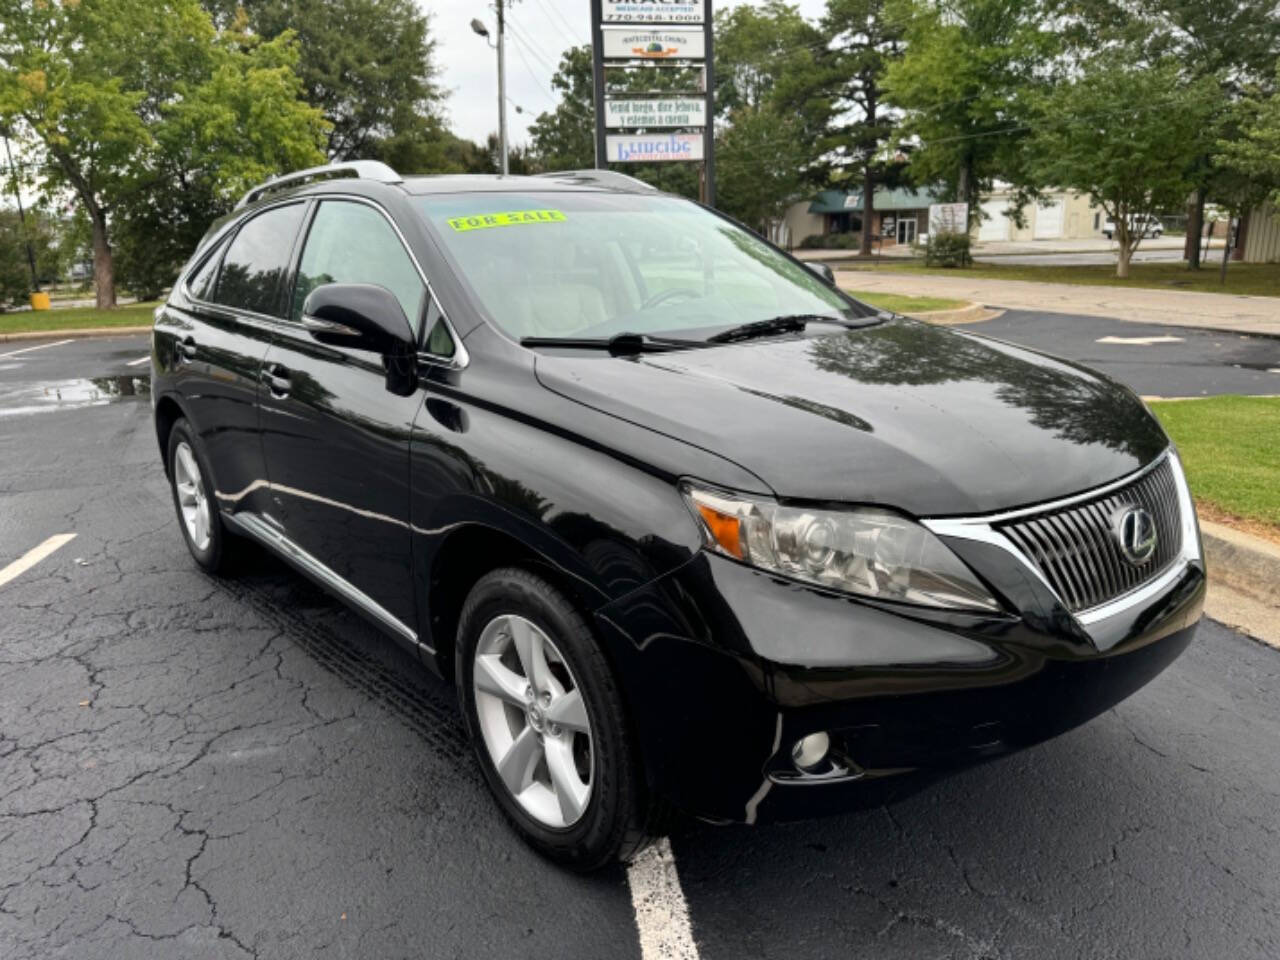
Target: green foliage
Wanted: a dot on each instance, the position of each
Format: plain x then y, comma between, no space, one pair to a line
1125,134
947,249
963,83
148,114
866,37
564,138
831,241
15,270
1251,160
771,108
366,64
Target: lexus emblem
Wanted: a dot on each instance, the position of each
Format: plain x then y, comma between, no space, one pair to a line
1135,532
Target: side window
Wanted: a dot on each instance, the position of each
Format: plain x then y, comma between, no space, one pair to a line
201,282
354,243
256,260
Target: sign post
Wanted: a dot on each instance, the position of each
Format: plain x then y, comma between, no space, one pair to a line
648,127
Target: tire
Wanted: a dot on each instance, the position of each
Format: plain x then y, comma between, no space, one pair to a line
503,617
1107,235
208,541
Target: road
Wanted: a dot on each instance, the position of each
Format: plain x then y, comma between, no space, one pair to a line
1154,360
206,768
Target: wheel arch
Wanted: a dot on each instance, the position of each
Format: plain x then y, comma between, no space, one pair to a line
168,411
473,549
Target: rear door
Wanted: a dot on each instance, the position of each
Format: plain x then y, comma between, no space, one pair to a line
221,330
336,441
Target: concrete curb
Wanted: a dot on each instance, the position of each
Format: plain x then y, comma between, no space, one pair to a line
73,334
1243,562
969,314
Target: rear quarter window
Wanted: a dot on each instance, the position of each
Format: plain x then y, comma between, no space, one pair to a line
257,260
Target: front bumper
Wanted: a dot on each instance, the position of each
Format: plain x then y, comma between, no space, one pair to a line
725,667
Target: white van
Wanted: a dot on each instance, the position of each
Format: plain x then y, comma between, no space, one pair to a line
1146,224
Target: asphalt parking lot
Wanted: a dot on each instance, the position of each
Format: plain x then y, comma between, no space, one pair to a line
205,768
1154,360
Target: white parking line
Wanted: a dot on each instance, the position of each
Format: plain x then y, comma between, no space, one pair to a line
1139,341
662,916
140,360
34,556
43,346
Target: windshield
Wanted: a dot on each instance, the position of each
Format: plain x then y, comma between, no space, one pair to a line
560,264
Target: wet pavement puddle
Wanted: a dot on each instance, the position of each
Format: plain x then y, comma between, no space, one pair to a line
20,399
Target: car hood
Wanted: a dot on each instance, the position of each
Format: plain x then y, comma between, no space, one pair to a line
904,414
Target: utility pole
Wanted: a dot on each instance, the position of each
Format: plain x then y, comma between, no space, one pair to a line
22,215
502,89
480,29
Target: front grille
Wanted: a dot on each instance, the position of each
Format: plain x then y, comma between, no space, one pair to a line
1077,553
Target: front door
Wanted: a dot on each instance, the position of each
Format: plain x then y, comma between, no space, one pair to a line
906,230
336,441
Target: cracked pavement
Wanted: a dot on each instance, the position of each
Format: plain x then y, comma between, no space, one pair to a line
205,768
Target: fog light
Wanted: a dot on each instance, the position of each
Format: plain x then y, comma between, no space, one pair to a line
810,751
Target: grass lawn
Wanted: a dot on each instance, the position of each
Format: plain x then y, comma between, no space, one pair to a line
1259,279
1231,449
77,318
899,303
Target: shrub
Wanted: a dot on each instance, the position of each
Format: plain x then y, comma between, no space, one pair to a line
947,250
831,241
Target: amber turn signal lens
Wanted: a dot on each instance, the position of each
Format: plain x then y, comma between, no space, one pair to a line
725,527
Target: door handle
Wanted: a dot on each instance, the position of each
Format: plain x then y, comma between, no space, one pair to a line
187,350
276,378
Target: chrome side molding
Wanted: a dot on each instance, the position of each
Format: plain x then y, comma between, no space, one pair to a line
274,540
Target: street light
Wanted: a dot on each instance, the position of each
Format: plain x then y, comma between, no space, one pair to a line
481,30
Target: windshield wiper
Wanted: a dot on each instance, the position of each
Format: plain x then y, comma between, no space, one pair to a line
620,344
765,328
789,323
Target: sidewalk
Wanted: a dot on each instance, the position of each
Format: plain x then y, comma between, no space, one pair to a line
1015,248
1176,308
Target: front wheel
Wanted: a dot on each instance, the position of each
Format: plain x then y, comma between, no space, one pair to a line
548,723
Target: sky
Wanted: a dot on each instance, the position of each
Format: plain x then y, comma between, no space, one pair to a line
538,32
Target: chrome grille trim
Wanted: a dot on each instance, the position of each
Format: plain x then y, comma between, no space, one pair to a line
1075,551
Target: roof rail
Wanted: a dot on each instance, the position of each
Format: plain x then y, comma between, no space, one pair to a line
606,178
359,169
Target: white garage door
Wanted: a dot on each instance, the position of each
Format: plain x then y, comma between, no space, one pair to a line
1049,220
995,225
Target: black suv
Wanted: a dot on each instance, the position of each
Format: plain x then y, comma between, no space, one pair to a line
687,526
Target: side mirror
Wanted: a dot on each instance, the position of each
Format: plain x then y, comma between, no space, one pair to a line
823,271
361,316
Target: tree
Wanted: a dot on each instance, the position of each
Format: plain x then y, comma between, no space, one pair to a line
127,100
866,37
771,110
962,84
1124,133
367,64
15,269
564,138
1235,43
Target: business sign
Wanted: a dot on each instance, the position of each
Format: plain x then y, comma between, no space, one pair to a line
652,11
630,43
948,218
653,148
677,112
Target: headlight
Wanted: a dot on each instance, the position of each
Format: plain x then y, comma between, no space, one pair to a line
870,552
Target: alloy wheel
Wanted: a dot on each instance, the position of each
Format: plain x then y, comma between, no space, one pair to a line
192,500
533,721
